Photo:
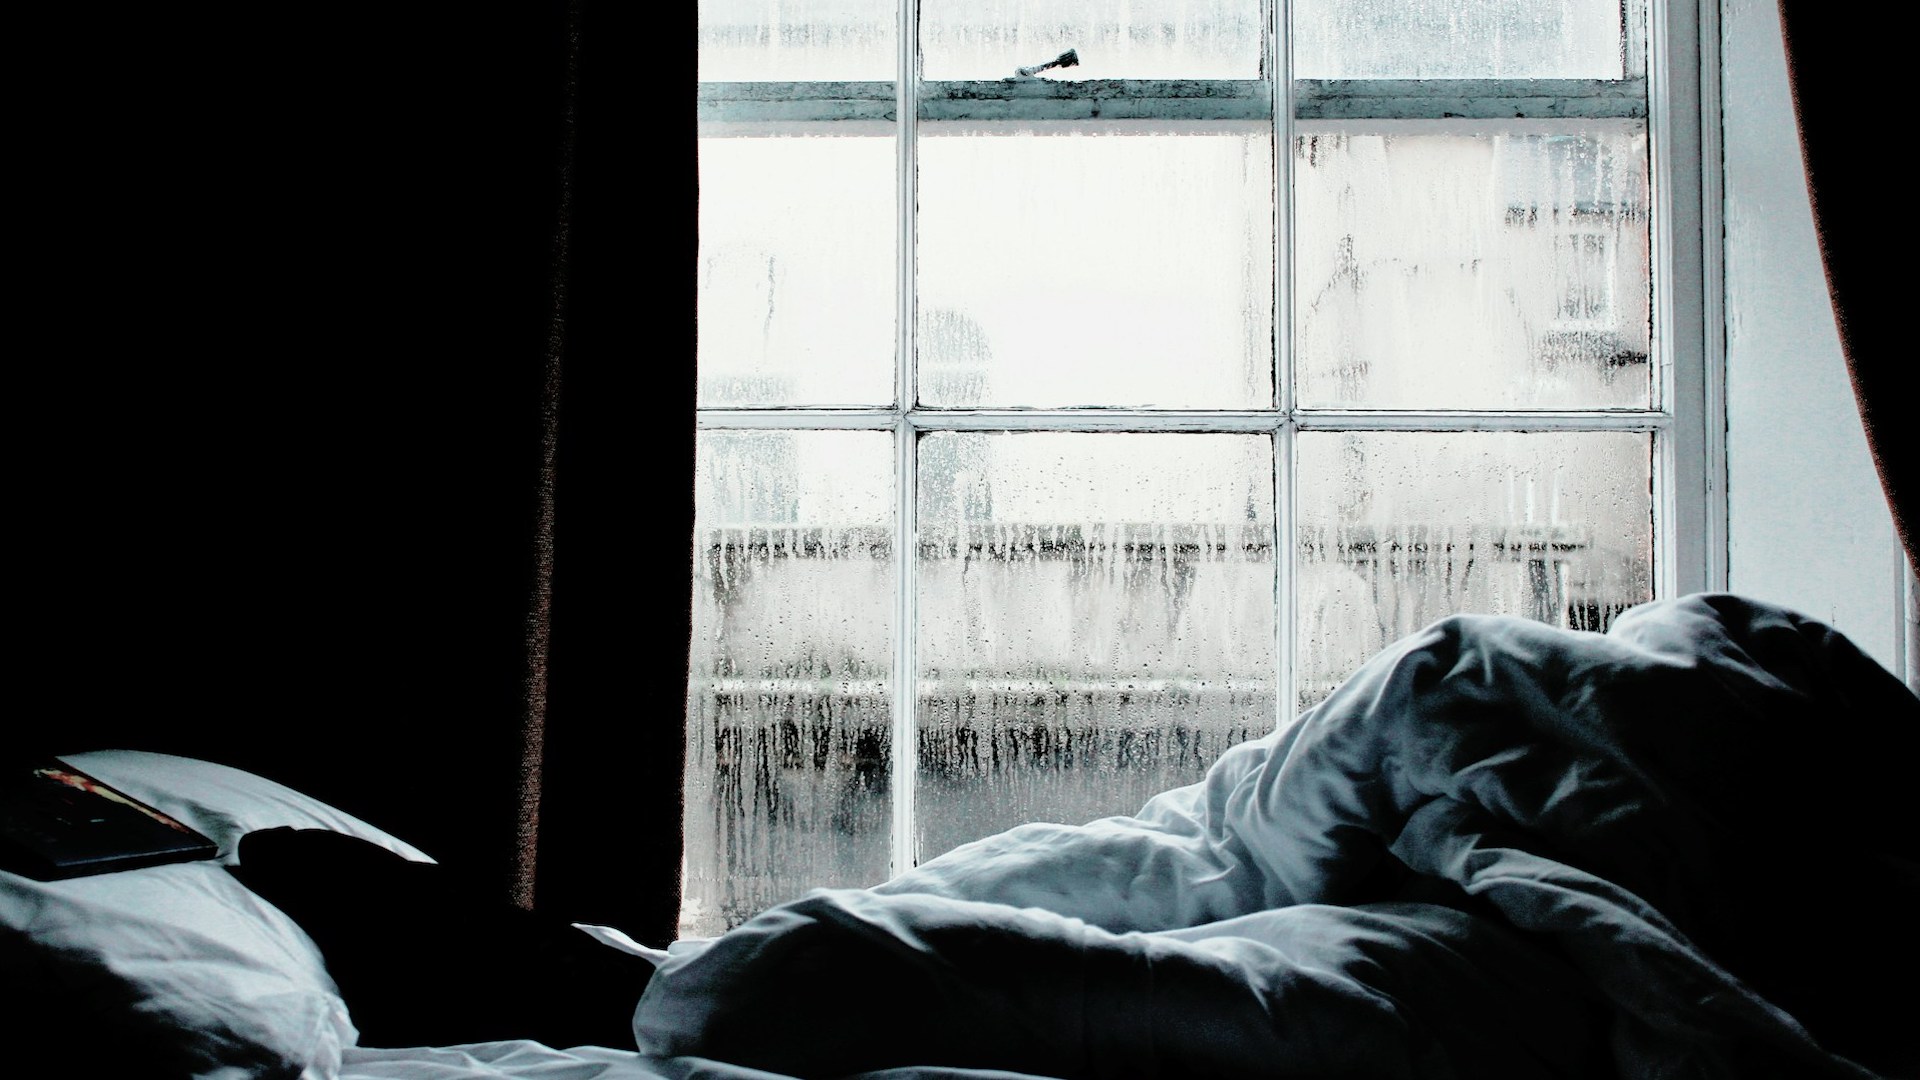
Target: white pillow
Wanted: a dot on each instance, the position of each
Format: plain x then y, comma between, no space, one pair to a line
222,802
179,969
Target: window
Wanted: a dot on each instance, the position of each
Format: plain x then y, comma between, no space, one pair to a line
1086,387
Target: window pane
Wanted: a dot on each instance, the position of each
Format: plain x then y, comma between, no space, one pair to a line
810,40
1096,264
796,292
1449,270
789,738
1398,529
1134,39
1457,39
1096,617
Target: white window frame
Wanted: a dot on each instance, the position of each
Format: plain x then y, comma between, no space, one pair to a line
1687,417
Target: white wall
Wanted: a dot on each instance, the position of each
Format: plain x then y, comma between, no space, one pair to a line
1807,524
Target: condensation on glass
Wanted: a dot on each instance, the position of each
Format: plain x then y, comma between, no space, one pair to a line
1509,268
822,40
789,737
797,40
1457,39
1140,39
1397,529
1096,621
1096,264
797,247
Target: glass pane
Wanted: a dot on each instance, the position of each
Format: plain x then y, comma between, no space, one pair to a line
1457,39
1096,616
796,292
1096,264
1111,39
1398,529
797,40
789,747
1451,270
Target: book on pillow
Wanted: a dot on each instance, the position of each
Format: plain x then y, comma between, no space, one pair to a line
57,821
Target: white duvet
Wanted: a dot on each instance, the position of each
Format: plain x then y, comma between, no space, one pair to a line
1685,848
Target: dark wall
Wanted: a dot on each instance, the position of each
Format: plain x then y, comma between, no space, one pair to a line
278,431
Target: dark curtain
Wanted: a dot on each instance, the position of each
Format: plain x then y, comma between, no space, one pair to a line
352,418
1841,68
622,582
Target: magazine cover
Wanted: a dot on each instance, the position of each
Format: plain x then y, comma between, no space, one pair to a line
59,822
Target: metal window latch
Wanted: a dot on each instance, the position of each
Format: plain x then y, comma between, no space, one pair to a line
1070,58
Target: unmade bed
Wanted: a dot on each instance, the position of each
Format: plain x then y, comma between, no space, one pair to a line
1684,848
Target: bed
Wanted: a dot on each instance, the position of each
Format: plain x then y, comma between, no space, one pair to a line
1684,848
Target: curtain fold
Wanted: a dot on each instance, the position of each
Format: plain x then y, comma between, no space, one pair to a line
608,792
539,620
1840,66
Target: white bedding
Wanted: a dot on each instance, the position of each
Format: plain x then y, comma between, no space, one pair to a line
522,1060
1685,848
1681,849
512,1060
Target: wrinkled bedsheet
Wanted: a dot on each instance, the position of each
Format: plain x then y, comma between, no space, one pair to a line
1684,848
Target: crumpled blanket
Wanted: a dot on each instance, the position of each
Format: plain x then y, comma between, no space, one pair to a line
1686,847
